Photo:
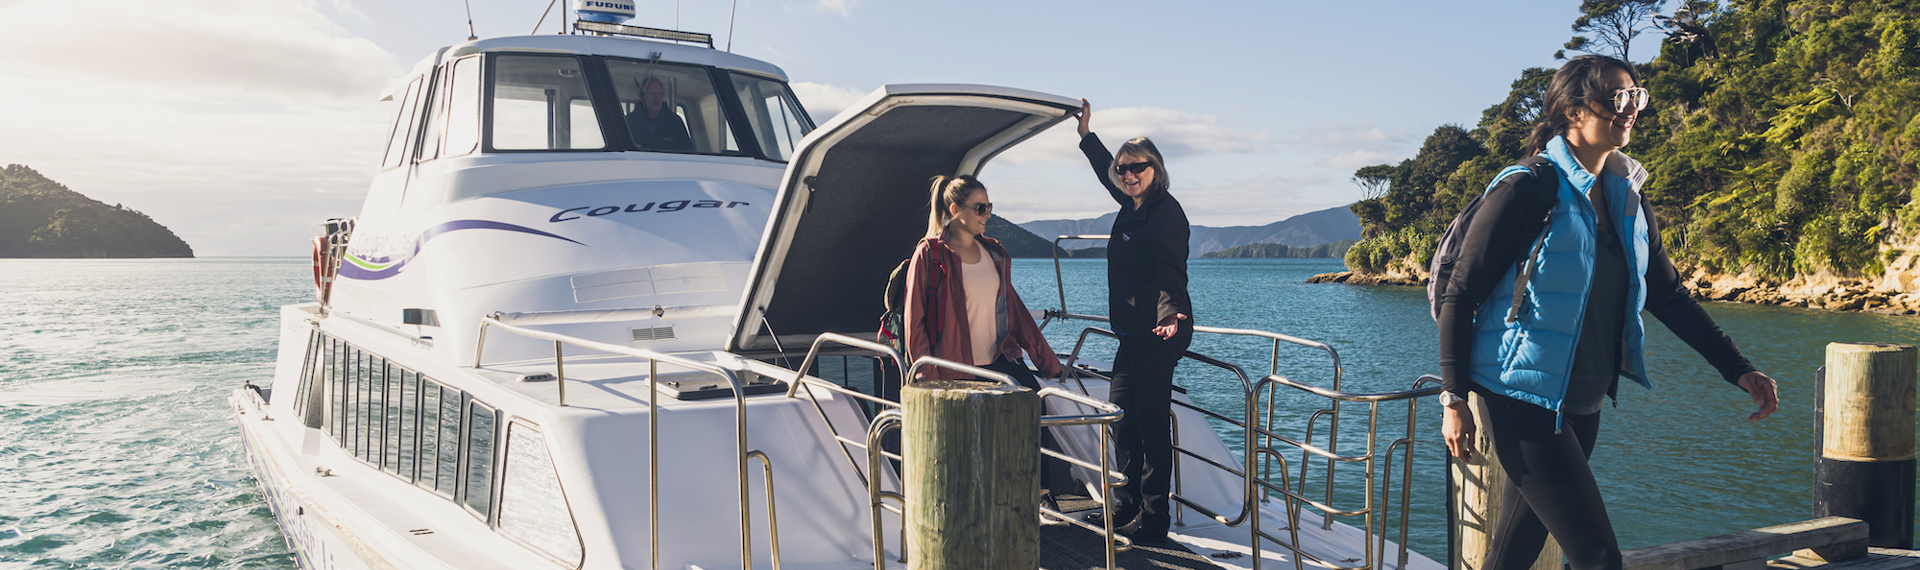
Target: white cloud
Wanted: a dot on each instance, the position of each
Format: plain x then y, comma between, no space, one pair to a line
1355,159
1178,134
239,125
842,7
824,101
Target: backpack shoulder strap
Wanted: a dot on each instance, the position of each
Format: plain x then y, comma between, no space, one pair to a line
1543,183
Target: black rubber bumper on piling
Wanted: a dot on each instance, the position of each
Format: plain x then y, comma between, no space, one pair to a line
1880,493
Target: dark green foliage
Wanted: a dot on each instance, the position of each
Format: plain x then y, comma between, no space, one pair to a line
1785,141
1274,250
1613,25
41,218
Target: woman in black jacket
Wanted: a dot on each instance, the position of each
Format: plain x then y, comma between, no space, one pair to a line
1148,303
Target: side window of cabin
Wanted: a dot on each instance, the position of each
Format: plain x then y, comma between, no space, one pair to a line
398,136
478,490
541,102
429,420
374,412
436,110
532,506
670,107
409,420
390,444
777,119
463,108
448,479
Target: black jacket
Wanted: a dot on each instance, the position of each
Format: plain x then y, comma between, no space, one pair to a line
1496,238
1147,256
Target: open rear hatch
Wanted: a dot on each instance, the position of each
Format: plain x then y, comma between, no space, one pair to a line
854,203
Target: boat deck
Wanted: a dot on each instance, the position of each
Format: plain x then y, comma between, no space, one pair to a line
1069,547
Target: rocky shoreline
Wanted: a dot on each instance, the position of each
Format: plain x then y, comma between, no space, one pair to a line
1895,292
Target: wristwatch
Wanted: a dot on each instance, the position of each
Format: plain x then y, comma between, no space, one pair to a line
1449,398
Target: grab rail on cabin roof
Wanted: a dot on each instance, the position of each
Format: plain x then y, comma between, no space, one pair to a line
653,418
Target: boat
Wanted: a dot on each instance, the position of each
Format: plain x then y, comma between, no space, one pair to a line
566,332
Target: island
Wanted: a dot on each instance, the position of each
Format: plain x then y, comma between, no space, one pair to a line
40,218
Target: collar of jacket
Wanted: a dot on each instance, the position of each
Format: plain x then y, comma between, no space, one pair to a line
1617,164
993,247
1152,200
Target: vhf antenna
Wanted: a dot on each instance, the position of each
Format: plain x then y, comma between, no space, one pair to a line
470,34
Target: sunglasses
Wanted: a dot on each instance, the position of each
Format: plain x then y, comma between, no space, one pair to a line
1133,167
982,208
1634,97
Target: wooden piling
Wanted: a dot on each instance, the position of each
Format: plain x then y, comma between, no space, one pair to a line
1476,488
1866,465
972,450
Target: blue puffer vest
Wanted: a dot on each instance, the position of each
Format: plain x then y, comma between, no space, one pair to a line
1531,359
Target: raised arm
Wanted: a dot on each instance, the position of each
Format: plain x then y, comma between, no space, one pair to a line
1097,155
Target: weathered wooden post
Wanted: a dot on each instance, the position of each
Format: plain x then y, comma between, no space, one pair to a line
1476,488
1866,465
972,451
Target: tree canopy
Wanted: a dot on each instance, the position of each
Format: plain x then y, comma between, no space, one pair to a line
1783,140
42,218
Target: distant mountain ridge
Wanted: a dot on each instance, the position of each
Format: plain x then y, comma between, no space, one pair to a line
40,218
1305,230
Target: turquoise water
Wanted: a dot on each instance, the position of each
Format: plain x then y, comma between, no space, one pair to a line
117,449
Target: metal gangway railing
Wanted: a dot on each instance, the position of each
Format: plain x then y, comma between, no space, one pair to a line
891,416
1260,438
742,454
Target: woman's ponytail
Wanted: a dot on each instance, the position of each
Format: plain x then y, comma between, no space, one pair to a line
947,191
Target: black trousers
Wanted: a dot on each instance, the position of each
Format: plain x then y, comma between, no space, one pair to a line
1550,489
1143,388
1019,372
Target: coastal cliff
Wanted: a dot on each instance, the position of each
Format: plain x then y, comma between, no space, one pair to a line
40,218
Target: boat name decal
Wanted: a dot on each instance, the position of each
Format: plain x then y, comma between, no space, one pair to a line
665,207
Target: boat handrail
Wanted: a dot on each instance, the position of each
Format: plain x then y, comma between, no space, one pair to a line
1056,262
581,316
653,417
1256,435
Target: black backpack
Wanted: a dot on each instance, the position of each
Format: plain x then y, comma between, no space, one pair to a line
1542,179
893,321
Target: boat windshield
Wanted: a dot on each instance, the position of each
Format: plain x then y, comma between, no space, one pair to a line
671,107
552,102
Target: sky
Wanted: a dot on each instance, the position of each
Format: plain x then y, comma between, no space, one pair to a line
242,124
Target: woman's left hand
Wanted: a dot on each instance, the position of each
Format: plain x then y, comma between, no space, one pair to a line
1765,394
1169,326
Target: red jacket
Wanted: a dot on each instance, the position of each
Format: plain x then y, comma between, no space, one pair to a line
955,342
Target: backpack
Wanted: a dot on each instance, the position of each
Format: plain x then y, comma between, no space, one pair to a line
1542,179
893,321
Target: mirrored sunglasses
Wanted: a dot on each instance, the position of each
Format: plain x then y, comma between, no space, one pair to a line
1630,97
982,208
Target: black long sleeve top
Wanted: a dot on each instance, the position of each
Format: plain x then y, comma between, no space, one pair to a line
1147,255
1494,240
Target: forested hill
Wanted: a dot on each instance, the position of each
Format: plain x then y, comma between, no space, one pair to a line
1782,140
42,218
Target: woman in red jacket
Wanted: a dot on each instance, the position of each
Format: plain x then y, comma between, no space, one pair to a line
961,305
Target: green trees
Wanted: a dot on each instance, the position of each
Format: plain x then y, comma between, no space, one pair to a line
41,218
1788,146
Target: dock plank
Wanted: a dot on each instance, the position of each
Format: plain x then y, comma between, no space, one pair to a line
1876,559
1746,546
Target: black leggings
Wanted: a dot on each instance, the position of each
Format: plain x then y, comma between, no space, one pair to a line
1143,388
1019,372
1550,489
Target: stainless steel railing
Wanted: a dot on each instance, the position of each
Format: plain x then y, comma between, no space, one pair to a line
1260,438
654,359
892,418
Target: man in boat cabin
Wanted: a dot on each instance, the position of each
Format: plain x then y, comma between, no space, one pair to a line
654,124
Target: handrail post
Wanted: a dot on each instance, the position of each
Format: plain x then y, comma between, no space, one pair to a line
653,458
560,373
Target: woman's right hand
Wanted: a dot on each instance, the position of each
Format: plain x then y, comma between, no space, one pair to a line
1086,118
1458,429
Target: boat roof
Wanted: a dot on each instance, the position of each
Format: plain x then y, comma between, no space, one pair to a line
613,46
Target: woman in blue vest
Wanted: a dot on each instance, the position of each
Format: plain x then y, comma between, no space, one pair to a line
1148,305
1546,372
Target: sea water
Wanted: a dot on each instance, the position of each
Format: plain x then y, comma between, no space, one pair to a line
117,448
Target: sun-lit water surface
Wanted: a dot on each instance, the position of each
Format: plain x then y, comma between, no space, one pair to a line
117,449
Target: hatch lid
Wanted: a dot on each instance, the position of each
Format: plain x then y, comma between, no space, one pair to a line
854,199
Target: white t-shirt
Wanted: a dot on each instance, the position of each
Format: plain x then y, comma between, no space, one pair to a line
982,282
